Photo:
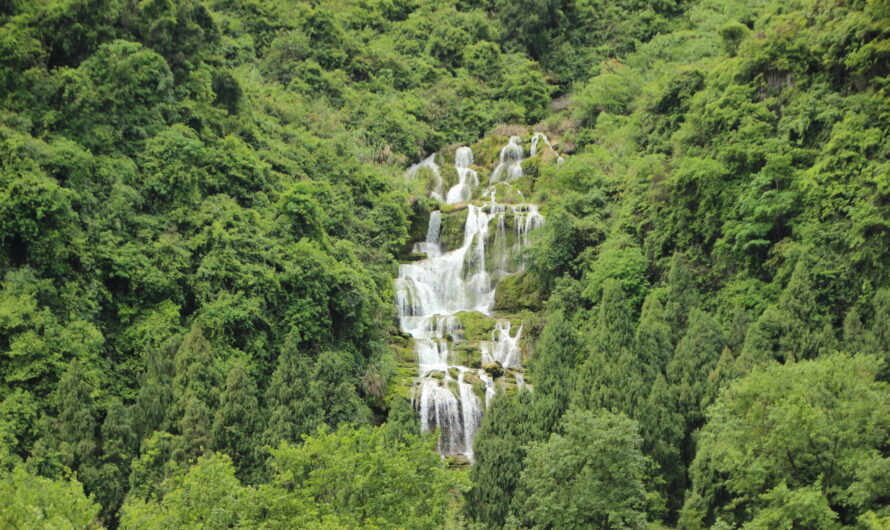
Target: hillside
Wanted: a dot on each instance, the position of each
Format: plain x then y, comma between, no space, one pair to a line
462,264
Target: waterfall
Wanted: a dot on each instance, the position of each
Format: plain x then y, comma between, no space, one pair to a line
430,246
510,162
502,348
432,291
467,179
537,137
429,163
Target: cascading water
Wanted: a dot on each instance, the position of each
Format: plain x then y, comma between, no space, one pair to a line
430,163
467,179
536,138
431,292
510,164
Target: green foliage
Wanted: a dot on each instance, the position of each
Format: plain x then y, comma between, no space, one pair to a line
732,34
509,424
624,263
610,377
794,444
31,501
348,478
293,407
237,422
208,496
526,87
557,354
591,474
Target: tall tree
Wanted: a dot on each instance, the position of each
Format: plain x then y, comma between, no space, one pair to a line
293,409
663,428
791,329
681,295
793,446
499,449
155,396
334,388
592,474
194,427
652,342
76,425
195,394
119,447
238,421
610,377
556,357
877,341
688,372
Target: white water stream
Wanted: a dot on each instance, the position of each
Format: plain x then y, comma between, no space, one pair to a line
430,292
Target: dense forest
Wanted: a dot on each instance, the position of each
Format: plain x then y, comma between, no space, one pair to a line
204,205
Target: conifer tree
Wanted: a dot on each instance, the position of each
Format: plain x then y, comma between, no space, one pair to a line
854,332
802,315
195,372
238,421
555,359
499,450
791,329
681,296
118,450
663,429
610,377
155,396
76,423
652,341
878,338
334,388
194,430
195,393
688,374
697,355
293,409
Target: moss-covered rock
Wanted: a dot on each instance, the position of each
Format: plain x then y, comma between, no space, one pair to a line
403,349
473,379
494,369
458,461
518,291
530,166
466,354
452,231
507,193
449,177
456,207
402,380
502,245
476,326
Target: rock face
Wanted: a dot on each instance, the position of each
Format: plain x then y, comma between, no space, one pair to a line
445,301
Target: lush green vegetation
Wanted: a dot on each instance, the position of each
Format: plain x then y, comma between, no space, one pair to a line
202,207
